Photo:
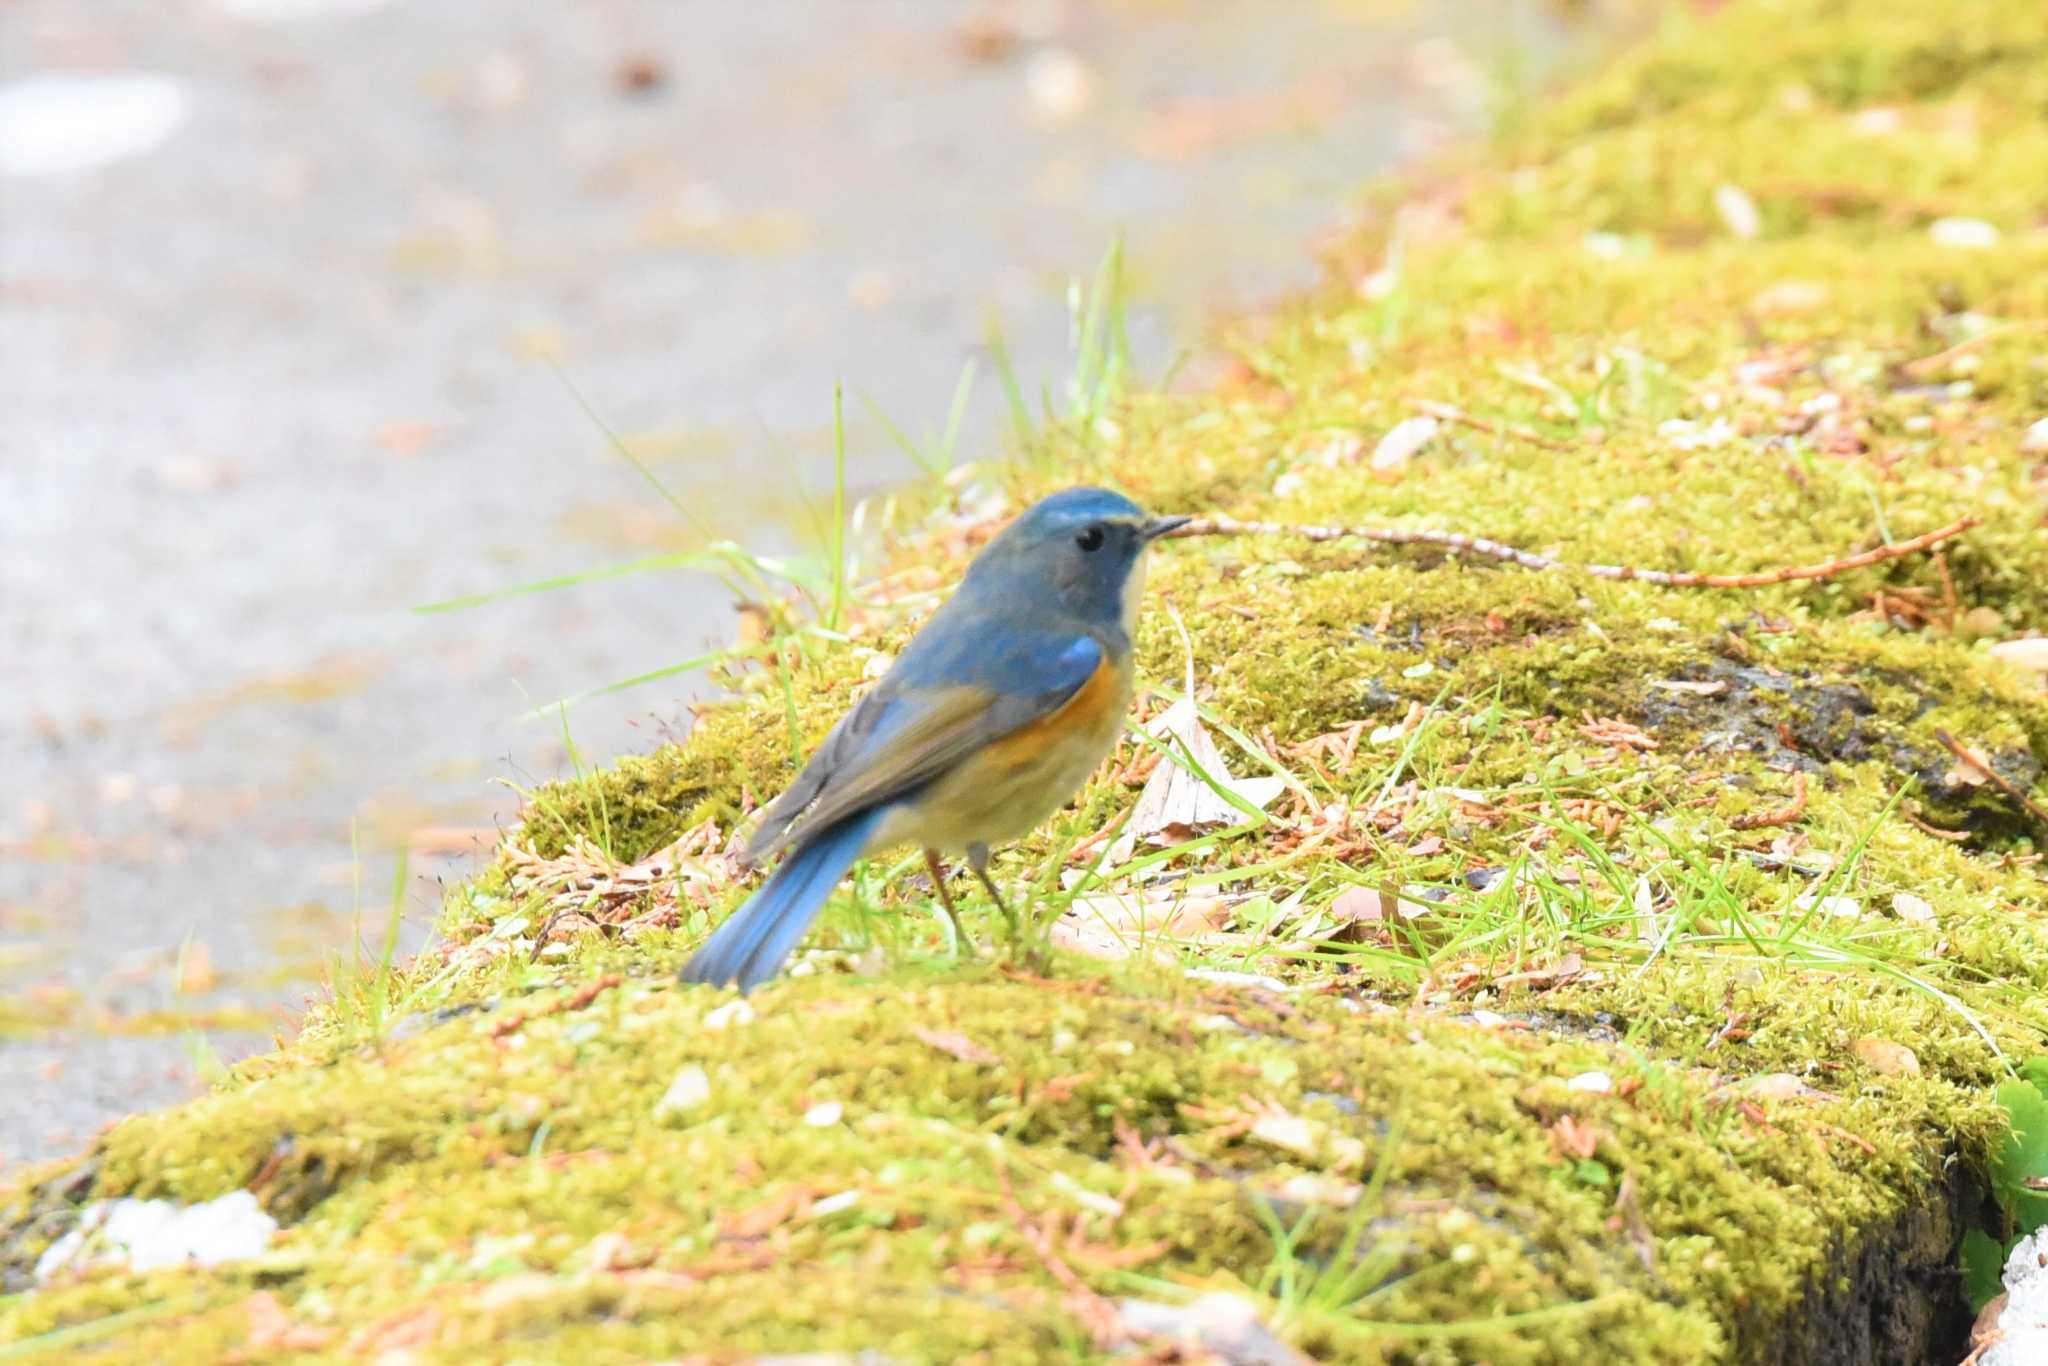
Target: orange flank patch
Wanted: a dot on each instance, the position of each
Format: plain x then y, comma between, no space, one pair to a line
1092,709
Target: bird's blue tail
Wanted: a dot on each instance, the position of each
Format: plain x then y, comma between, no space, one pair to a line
751,944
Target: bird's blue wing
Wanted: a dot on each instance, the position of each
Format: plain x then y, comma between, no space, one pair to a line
950,693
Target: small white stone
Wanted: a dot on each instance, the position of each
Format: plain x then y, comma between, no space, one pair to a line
1969,234
2023,1325
1738,211
825,1114
147,1235
1912,909
1841,907
1690,436
2035,440
690,1089
1402,443
833,1204
731,1013
1226,977
1599,1083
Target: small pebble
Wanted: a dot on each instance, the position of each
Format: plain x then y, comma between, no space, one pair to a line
1968,234
1912,909
690,1089
731,1013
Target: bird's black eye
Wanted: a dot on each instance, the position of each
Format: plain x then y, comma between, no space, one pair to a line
1091,539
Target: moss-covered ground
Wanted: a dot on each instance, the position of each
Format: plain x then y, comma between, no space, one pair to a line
1630,963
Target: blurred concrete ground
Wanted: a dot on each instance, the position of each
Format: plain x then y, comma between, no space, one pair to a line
276,276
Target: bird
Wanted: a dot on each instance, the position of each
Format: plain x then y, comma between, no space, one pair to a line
991,717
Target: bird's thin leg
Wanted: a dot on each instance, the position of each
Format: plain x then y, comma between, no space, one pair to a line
977,859
938,870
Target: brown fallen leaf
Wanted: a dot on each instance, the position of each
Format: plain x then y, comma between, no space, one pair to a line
195,972
1679,685
1775,1086
414,1326
1885,1057
1367,912
959,1045
1628,1218
1097,940
1154,909
272,1328
1357,904
1574,1137
758,1221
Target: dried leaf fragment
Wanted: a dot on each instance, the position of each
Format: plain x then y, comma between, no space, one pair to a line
1574,1137
958,1045
1176,804
1885,1057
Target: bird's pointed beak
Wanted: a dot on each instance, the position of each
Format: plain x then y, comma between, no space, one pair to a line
1163,526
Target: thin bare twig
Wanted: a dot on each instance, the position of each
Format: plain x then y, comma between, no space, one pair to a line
1458,541
1920,824
1783,815
1923,366
1444,412
1996,778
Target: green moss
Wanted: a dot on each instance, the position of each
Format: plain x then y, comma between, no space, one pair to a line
489,1172
463,1163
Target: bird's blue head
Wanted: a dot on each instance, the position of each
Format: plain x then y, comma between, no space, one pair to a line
1078,553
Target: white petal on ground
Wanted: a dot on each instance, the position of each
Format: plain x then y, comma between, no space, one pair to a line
146,1235
60,123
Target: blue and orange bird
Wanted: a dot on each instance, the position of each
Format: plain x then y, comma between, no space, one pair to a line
994,714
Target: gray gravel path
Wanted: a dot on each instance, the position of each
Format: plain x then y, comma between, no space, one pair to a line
268,375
